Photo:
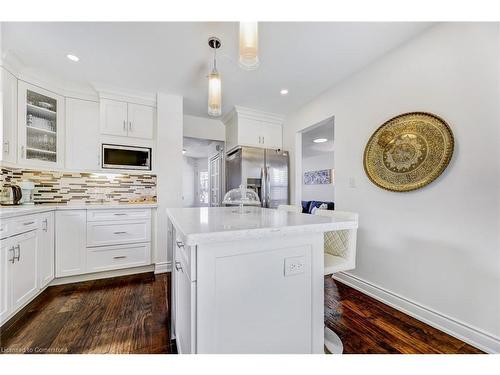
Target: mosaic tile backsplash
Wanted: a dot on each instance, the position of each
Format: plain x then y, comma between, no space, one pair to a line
63,187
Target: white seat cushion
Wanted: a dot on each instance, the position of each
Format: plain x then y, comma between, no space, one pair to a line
334,264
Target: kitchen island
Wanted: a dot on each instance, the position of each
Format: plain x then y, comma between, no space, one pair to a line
248,282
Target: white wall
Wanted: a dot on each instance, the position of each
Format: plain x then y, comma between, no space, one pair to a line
205,128
188,181
438,247
169,170
324,192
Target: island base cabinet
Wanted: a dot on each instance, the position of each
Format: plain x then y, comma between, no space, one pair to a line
263,295
185,305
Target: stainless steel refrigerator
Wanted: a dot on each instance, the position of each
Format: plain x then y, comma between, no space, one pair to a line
264,170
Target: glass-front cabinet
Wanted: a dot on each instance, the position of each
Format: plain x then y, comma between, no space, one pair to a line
41,125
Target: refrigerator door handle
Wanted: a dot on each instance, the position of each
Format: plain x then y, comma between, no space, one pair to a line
263,187
268,187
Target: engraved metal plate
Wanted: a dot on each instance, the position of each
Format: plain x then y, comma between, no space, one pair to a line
408,152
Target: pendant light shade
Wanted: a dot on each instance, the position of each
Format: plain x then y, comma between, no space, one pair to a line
214,94
249,45
214,83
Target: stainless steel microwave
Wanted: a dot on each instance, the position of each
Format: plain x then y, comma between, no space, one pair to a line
125,157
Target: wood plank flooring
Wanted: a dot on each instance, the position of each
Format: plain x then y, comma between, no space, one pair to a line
131,315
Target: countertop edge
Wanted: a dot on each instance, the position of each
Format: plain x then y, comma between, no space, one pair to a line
24,210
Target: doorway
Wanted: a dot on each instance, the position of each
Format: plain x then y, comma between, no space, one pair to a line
316,172
202,172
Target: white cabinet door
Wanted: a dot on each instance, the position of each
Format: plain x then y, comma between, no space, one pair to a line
46,253
113,117
272,136
71,242
250,132
6,256
8,103
40,127
82,134
141,119
185,305
24,278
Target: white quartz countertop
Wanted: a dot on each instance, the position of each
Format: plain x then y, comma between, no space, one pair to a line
14,211
213,224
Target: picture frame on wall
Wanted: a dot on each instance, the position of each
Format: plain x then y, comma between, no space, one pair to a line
320,177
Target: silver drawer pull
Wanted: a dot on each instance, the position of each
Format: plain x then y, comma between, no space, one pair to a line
18,257
120,257
13,254
29,223
120,214
178,266
119,232
179,244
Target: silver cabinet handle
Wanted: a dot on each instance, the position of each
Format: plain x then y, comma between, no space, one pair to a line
120,214
6,148
29,223
178,266
120,257
130,125
46,226
179,244
22,151
263,139
13,255
119,232
18,258
124,125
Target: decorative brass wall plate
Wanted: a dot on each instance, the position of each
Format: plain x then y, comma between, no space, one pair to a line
408,152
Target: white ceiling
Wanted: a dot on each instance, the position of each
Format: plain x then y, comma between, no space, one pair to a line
325,129
306,58
199,148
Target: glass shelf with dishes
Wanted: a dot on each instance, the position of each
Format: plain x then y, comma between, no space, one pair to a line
40,141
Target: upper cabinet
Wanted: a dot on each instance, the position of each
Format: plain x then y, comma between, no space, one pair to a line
127,119
83,149
41,126
247,127
8,132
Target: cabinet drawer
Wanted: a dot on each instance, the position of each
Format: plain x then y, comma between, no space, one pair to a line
116,257
4,228
120,214
23,224
118,232
186,256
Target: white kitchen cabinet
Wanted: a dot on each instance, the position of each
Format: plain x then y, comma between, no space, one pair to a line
41,127
82,135
8,101
118,232
246,127
71,241
141,119
114,117
185,308
46,253
127,119
23,273
106,258
6,258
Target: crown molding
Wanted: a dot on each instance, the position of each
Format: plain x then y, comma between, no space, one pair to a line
125,95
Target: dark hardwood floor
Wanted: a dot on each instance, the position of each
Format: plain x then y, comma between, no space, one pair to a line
130,315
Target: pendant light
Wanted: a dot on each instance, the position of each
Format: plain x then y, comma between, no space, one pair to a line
249,45
214,83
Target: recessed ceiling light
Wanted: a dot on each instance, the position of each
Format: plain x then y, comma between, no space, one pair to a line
320,140
284,92
183,151
73,57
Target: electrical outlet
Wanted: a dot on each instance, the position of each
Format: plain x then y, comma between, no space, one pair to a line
294,265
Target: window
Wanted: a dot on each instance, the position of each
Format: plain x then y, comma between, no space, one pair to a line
203,187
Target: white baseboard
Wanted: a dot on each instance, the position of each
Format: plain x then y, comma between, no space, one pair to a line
163,267
465,332
101,275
